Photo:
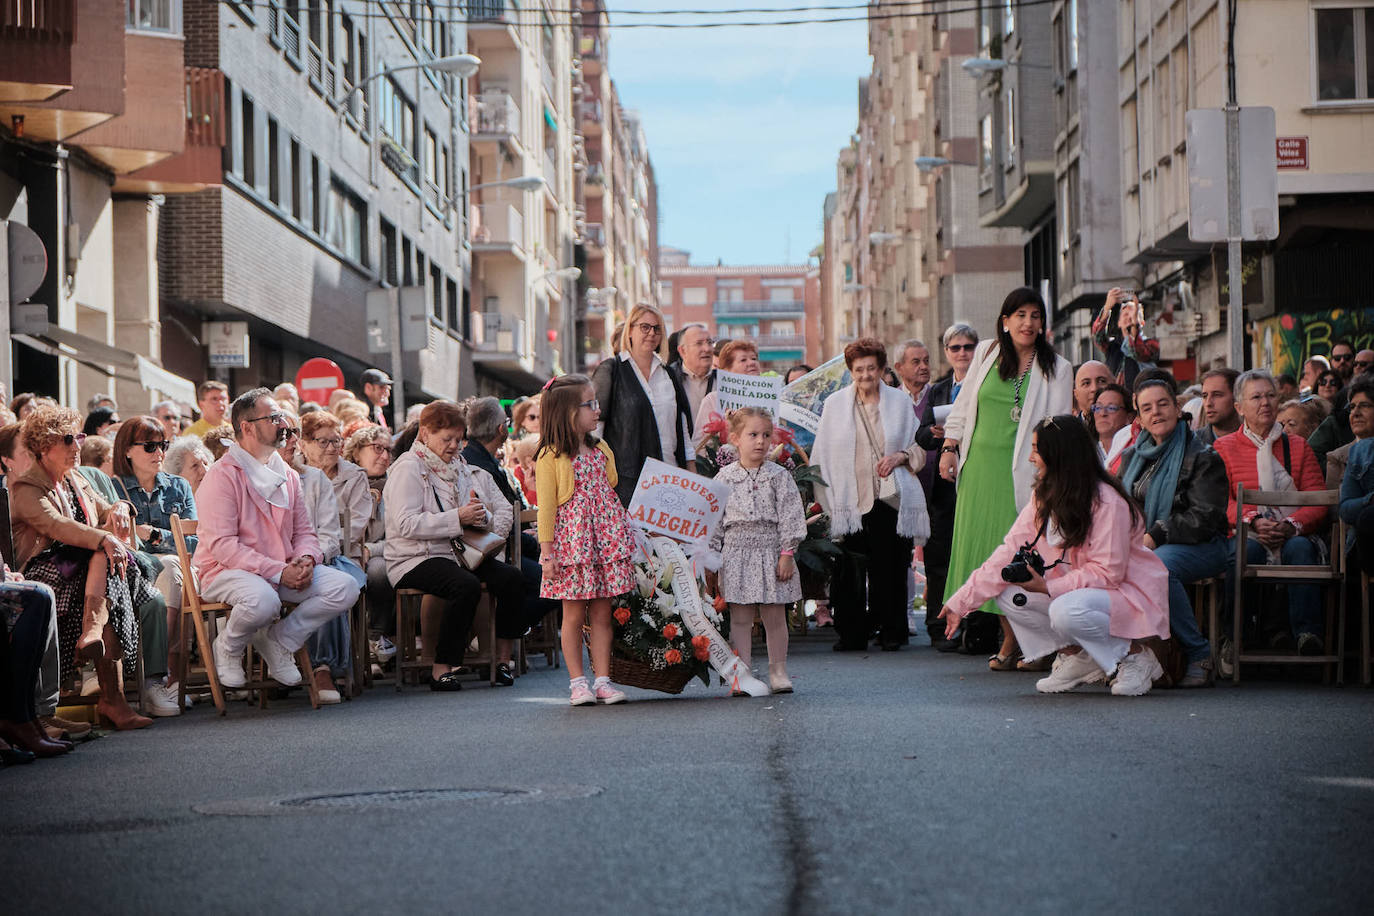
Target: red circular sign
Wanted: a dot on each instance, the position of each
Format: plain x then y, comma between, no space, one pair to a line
317,379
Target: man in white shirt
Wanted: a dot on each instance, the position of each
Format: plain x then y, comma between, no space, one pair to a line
696,349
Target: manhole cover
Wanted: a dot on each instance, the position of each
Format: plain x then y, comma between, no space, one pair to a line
344,802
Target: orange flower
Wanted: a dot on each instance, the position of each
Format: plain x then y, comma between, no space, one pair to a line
719,603
701,642
672,656
670,631
622,615
702,654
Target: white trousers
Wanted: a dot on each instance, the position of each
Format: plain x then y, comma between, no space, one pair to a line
257,604
1078,618
169,580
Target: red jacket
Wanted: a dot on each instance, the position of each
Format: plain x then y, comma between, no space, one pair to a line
1240,455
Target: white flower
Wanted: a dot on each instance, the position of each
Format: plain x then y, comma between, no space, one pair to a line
647,619
666,580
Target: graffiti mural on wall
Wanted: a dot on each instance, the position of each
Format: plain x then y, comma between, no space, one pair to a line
1282,343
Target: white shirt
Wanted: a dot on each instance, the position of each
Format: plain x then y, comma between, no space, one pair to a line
663,398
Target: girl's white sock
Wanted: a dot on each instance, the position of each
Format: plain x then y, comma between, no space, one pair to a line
600,682
577,680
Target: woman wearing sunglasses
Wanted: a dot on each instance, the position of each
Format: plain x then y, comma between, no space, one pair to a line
70,539
140,451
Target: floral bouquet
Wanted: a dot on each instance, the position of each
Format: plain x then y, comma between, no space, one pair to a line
651,637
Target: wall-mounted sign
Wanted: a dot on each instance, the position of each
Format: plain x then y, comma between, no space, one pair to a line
227,342
1292,152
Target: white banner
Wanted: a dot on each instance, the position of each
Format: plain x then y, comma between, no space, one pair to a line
735,391
670,501
687,594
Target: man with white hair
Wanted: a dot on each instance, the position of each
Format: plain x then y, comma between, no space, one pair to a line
168,414
695,372
1261,456
257,548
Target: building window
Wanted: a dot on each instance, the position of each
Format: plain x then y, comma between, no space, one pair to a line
1071,16
1344,42
985,152
665,292
454,306
273,162
154,16
388,254
317,202
1008,18
1010,111
297,186
396,115
407,263
347,217
694,295
432,179
248,148
436,292
848,272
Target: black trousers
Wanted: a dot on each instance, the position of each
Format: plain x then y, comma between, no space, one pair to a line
937,553
461,590
22,648
881,560
1364,538
381,597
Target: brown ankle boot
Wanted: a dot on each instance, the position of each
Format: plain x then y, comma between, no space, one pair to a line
112,705
94,618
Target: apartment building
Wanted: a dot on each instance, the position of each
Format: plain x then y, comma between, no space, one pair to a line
766,303
524,281
93,96
618,203
1310,62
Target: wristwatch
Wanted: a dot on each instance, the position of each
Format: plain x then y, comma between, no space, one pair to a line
951,449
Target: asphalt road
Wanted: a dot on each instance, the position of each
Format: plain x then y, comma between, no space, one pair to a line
906,782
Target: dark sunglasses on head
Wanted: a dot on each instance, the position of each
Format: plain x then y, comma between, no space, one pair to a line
153,445
960,348
71,439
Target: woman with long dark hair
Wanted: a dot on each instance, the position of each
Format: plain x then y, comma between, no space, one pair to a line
988,438
1101,590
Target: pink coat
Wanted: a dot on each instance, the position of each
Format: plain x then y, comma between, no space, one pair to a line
1113,558
238,529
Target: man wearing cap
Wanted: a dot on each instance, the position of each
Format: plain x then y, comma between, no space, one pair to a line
377,392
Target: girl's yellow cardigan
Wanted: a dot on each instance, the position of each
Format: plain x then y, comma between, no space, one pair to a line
553,485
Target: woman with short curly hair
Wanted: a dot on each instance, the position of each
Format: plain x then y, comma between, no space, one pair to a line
70,539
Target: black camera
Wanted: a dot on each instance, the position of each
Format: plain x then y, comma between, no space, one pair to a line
1019,569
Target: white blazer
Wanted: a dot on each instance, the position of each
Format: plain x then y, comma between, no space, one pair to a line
1043,398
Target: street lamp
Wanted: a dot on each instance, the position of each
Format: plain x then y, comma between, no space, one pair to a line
523,183
852,288
930,163
562,273
461,65
979,66
883,238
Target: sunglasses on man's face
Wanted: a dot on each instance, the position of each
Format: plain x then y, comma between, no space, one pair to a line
153,445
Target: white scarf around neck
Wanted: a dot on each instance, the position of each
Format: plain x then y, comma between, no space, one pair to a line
1272,475
268,479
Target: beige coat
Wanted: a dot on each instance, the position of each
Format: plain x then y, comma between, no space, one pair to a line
37,517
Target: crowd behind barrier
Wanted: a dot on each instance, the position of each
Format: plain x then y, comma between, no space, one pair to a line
1062,519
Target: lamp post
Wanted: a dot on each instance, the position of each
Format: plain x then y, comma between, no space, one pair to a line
979,66
461,65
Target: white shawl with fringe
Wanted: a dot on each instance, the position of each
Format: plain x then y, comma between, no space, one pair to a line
833,453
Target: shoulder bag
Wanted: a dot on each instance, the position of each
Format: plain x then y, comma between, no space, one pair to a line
473,546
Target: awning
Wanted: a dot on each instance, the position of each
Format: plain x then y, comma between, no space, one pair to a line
100,356
549,119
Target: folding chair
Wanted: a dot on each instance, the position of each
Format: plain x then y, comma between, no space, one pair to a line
1207,610
195,607
1330,575
358,668
547,642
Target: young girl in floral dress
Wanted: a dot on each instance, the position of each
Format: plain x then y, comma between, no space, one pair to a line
763,524
584,534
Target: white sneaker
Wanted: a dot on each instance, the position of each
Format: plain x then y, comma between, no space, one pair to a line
90,684
1070,671
608,695
281,663
161,700
228,665
1136,674
383,649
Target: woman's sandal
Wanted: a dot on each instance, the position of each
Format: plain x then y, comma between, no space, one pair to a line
1004,662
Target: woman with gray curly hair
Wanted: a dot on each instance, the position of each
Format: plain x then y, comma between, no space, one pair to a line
189,458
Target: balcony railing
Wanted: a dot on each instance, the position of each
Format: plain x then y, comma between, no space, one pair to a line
590,110
507,11
38,20
204,107
757,307
497,114
780,341
497,224
498,333
595,234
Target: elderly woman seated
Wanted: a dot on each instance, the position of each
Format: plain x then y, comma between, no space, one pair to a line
68,538
330,645
321,445
1357,482
1181,483
189,459
370,449
431,496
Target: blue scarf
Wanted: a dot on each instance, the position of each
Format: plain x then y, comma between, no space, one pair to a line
1167,459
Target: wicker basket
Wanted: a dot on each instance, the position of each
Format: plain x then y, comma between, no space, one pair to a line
632,673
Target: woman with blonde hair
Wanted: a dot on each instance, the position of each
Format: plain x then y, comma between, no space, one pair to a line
644,409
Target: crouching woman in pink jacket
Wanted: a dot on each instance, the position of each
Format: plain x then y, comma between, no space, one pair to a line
1101,590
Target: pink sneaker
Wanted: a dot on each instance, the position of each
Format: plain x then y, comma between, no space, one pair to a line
608,694
581,695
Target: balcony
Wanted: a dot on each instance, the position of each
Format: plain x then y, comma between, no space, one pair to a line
498,335
770,342
595,182
498,228
152,126
493,25
594,236
496,119
589,48
757,308
36,48
200,165
589,116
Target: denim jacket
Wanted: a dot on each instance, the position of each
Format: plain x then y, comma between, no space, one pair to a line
1357,486
171,496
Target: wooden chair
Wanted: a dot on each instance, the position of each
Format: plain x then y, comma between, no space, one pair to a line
1330,575
359,670
195,607
1207,609
408,655
547,642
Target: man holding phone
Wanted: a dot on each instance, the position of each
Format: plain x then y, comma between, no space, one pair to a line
1123,341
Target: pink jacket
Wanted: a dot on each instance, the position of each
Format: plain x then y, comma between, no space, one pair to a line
239,530
1113,558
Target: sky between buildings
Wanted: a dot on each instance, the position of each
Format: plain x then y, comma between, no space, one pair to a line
743,124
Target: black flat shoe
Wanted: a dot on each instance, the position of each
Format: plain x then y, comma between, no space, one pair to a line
892,646
13,756
505,675
446,683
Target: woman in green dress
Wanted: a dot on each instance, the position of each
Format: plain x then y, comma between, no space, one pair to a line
988,439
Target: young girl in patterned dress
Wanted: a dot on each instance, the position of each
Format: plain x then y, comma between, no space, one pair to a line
763,524
585,544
